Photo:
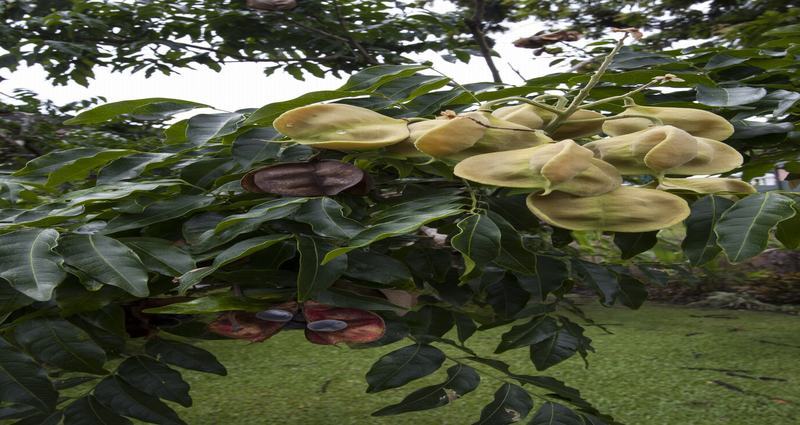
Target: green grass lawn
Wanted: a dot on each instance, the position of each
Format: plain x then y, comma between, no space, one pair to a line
639,374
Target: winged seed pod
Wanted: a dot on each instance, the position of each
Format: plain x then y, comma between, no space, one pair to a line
473,133
535,118
625,209
706,185
697,122
327,177
665,150
340,127
564,166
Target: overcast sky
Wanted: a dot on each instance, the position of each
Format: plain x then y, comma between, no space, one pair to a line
243,85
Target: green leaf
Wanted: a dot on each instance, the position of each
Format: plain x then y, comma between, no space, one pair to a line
88,411
513,254
53,418
313,276
126,400
59,343
788,231
555,414
535,331
204,127
164,106
184,355
461,379
403,366
205,172
161,256
373,77
210,304
23,381
632,292
700,244
602,280
155,378
327,219
107,261
478,241
43,165
115,191
80,168
550,274
734,96
236,224
236,251
10,300
255,146
511,404
743,229
554,350
265,115
158,212
131,166
632,244
507,297
379,268
29,263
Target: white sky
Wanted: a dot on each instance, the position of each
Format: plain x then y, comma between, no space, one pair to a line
243,85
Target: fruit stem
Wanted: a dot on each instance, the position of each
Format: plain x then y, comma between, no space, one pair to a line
655,120
584,92
487,106
626,97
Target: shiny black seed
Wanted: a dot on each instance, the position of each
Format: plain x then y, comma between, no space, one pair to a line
329,325
275,315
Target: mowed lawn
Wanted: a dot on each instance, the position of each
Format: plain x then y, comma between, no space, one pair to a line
646,373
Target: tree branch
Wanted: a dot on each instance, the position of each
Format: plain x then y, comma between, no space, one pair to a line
474,24
352,41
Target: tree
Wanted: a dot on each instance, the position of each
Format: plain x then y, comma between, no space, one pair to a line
241,225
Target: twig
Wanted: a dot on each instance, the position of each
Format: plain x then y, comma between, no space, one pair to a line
474,25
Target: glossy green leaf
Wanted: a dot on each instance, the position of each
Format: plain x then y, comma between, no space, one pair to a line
314,276
373,77
204,127
601,279
155,378
554,350
80,168
43,165
461,379
549,275
210,304
184,355
162,105
535,331
402,366
255,146
511,404
632,292
555,414
23,381
238,250
327,218
788,231
700,244
116,191
632,244
88,411
107,261
158,212
743,229
379,268
59,343
265,115
205,172
29,263
507,297
160,255
126,400
11,299
53,418
733,96
478,241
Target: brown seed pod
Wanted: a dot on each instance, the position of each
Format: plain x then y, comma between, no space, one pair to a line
320,178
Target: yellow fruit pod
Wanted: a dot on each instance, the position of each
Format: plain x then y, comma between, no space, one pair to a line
706,185
665,150
696,122
522,114
625,209
535,118
472,134
563,166
340,127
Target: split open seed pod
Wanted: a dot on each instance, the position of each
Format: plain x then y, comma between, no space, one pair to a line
536,118
362,326
665,150
340,127
326,177
563,166
471,134
625,209
706,185
696,122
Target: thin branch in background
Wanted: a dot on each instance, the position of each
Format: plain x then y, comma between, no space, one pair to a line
516,71
367,56
474,24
